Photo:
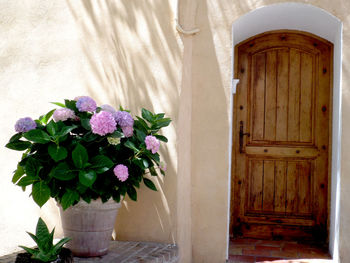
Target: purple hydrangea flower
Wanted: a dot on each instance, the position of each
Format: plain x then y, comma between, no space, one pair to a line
103,123
152,143
25,124
110,109
122,172
86,103
63,114
124,119
128,131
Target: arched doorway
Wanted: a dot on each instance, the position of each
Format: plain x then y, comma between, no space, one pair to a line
308,18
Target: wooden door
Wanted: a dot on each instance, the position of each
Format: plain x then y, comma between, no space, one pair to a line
282,131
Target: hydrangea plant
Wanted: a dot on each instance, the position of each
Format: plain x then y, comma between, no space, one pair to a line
82,151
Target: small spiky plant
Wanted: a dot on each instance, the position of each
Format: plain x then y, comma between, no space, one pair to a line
46,251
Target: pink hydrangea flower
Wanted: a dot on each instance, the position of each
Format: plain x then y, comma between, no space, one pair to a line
128,131
25,124
122,172
124,119
63,114
152,143
85,103
103,123
162,166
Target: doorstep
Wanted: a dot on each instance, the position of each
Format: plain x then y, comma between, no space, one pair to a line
126,252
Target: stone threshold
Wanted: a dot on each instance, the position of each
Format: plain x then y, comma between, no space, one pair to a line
126,252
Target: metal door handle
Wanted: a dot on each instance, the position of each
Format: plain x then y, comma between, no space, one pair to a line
241,135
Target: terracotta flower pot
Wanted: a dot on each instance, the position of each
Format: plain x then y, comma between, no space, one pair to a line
90,226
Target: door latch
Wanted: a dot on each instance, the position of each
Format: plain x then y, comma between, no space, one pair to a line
241,135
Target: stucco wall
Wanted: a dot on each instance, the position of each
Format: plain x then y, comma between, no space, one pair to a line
119,52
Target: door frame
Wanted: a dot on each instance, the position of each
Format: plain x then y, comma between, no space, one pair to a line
314,21
291,33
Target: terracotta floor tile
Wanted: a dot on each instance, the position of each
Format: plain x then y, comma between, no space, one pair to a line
243,246
235,250
241,241
278,251
267,248
271,243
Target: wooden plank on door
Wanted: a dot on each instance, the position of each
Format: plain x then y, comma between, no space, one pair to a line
294,96
280,187
256,171
270,104
268,186
305,191
258,101
292,187
282,95
306,97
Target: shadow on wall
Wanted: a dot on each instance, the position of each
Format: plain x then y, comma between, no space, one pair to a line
134,57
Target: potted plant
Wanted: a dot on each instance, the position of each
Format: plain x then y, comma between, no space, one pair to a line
46,251
82,154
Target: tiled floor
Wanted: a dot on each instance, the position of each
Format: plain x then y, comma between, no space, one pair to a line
253,250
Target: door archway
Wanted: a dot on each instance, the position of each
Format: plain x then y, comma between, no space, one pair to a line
308,18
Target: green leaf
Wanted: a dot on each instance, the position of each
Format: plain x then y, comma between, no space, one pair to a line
81,188
30,250
132,193
160,116
80,156
18,145
56,248
51,128
87,178
69,198
117,134
66,129
161,123
63,172
101,163
32,167
18,174
154,156
27,180
131,146
57,153
41,193
161,138
89,137
140,162
59,104
43,235
153,171
141,124
16,137
146,114
85,123
44,119
140,135
37,136
71,104
149,184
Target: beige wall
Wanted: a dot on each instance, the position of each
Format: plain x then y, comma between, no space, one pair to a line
118,52
129,52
